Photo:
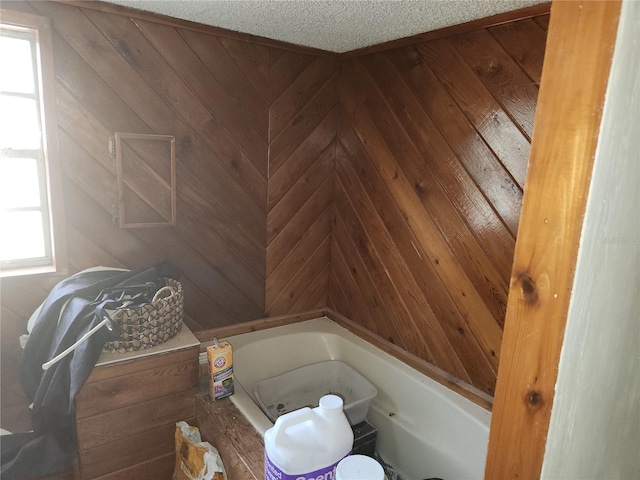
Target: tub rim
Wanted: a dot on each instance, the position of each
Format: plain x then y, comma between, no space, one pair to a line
459,386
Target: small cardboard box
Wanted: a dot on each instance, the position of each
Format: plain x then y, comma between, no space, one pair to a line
220,359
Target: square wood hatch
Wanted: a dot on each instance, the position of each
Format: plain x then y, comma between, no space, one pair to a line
146,176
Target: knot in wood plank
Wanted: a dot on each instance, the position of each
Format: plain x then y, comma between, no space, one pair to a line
529,289
533,399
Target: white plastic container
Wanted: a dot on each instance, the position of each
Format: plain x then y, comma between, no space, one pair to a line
359,467
308,443
303,387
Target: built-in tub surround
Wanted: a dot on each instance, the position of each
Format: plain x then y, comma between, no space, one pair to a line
424,429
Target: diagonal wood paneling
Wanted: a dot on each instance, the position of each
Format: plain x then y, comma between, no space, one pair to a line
302,126
115,73
387,222
148,78
431,158
388,188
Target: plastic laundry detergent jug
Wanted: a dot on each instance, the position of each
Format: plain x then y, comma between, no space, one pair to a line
308,444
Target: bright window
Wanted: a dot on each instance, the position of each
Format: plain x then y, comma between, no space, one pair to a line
31,235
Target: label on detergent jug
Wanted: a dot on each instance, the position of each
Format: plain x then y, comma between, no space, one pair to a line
272,472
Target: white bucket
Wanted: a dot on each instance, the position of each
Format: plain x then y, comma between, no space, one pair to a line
303,387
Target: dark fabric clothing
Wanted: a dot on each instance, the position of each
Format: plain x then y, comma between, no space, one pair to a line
73,307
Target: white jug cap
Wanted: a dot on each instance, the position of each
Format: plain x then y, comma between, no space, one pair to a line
331,402
359,467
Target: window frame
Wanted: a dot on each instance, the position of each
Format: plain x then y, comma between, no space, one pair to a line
41,28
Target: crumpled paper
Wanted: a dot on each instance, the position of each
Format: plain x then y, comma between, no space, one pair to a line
195,459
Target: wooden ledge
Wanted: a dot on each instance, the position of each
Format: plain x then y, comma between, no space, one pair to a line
240,446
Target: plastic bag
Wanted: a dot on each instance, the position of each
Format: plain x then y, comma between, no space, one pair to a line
195,459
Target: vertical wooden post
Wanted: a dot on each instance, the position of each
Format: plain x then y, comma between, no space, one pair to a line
574,78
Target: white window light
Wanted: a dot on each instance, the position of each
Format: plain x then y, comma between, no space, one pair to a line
31,220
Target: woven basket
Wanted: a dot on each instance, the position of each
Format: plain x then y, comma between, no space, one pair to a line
151,324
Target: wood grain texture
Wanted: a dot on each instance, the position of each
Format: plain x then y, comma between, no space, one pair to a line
154,469
243,114
468,391
431,157
302,125
240,445
116,74
516,38
111,426
574,79
473,108
396,237
501,76
140,74
125,453
207,337
261,43
424,148
126,412
125,390
100,89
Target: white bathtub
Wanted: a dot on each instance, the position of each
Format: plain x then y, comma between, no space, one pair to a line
424,429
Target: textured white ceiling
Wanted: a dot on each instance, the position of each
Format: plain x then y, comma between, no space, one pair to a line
332,25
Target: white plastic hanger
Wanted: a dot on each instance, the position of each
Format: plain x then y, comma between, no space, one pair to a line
107,321
60,356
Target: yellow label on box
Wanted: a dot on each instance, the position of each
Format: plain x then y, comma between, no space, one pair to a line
220,358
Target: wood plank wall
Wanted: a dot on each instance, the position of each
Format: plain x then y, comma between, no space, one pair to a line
302,128
232,105
431,158
114,73
127,412
429,144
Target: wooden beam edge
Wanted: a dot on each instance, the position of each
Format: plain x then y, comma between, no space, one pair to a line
207,336
574,78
